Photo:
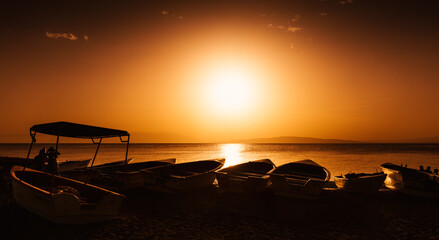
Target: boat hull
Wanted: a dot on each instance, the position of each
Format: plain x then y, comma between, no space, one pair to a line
310,190
183,177
72,165
63,206
175,184
118,177
301,180
366,185
250,177
411,181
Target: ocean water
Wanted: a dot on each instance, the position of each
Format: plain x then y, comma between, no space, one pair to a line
337,158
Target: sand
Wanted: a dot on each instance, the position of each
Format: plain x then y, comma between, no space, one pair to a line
210,214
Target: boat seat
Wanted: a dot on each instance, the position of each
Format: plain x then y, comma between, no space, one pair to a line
296,181
253,174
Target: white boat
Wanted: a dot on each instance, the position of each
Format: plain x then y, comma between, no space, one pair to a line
63,200
366,183
411,181
73,164
182,177
249,177
302,179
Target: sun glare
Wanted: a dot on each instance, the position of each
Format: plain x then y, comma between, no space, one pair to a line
230,89
232,153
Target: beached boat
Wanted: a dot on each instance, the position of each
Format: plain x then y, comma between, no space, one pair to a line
112,164
117,176
182,177
366,183
73,164
411,181
302,179
249,177
63,200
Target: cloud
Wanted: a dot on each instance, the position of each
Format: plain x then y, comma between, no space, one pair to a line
68,36
293,29
281,27
173,16
342,2
295,18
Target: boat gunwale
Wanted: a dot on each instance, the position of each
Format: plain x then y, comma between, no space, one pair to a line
306,162
17,168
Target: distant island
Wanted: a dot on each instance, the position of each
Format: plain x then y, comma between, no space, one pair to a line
162,137
290,139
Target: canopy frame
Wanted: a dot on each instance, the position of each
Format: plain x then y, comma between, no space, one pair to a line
75,130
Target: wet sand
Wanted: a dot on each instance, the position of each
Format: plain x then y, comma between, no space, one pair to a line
210,214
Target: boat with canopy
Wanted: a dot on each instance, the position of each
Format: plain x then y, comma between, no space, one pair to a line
63,200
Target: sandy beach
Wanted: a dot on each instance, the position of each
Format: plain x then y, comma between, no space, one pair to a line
211,214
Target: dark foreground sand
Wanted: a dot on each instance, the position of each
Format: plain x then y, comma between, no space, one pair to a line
209,214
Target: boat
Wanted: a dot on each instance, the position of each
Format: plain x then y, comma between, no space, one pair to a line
411,181
62,200
366,183
302,179
73,164
182,177
92,173
114,163
249,177
119,177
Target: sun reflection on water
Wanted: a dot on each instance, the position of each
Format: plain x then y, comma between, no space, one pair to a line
232,153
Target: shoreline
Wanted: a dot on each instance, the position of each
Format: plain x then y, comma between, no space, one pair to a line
211,214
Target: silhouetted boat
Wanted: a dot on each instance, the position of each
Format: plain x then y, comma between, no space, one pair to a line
302,179
249,177
182,177
90,173
73,164
366,183
411,181
119,176
112,164
63,200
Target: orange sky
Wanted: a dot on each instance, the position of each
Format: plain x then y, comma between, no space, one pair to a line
220,70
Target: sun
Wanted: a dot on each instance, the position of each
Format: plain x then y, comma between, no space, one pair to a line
231,89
